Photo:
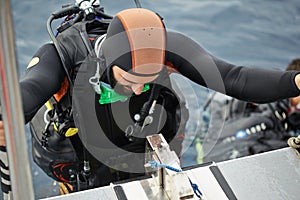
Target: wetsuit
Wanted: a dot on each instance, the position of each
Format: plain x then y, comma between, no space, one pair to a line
184,55
40,82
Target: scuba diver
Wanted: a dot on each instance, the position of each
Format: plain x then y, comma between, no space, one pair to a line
103,85
238,128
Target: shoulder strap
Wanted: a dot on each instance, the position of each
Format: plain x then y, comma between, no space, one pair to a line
85,38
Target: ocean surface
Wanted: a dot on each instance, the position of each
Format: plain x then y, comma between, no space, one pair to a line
254,33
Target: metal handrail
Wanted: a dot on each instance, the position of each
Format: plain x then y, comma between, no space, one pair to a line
19,166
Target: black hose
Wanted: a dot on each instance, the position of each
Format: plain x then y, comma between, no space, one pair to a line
102,14
66,11
62,13
138,3
50,32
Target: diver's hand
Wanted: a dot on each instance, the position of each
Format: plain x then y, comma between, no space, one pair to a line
297,81
2,136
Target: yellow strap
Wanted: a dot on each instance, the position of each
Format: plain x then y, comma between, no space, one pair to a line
48,105
65,188
71,131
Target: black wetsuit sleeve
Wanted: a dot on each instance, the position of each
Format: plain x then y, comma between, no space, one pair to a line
244,83
41,80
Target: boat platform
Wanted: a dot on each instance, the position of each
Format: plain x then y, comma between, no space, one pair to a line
273,175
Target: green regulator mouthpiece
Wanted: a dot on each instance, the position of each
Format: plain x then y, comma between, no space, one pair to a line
108,95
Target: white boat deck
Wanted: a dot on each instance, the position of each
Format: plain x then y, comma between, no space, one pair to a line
274,175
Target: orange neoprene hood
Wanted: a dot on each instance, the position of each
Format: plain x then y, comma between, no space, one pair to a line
136,42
